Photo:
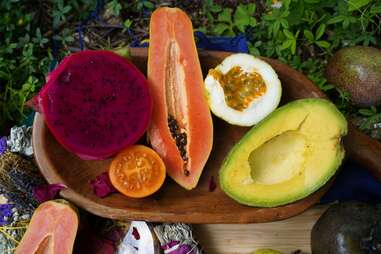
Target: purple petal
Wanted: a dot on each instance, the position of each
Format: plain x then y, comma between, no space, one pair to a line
43,193
5,212
184,249
212,184
135,233
3,145
180,249
102,185
169,245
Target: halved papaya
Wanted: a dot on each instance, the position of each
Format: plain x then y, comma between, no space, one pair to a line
181,129
52,229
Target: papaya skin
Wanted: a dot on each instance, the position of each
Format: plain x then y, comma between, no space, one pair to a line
176,84
52,229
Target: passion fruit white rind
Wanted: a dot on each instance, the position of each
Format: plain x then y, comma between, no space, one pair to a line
259,107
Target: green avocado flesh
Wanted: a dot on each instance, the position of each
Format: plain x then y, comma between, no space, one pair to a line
287,156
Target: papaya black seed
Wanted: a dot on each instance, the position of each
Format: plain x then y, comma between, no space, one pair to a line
180,140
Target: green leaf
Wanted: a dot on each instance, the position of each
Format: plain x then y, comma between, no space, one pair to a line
312,1
275,27
296,13
288,34
286,4
66,9
251,8
220,28
346,23
336,19
243,17
4,75
320,31
327,87
323,44
115,7
225,15
293,47
210,18
215,8
127,23
309,36
69,38
284,23
286,44
357,4
149,5
375,9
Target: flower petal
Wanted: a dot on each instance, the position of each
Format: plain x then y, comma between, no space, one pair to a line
212,184
44,193
102,185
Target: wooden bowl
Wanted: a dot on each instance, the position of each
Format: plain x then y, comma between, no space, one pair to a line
172,203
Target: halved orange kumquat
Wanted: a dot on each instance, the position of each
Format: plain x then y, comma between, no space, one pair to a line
137,171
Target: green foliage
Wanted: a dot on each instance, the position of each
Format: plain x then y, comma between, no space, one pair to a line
25,55
115,6
301,33
371,115
304,34
225,21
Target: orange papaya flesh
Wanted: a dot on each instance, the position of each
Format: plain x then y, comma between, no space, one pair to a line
52,230
181,128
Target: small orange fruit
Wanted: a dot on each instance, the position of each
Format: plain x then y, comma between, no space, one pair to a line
137,171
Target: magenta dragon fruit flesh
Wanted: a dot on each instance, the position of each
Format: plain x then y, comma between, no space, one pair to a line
95,103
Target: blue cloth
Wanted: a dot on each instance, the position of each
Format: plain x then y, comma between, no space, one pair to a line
233,44
354,182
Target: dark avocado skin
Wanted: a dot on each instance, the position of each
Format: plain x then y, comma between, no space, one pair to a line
348,228
357,70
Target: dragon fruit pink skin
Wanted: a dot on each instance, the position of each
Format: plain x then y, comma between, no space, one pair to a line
95,103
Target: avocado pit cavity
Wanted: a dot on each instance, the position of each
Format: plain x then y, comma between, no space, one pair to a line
279,159
240,87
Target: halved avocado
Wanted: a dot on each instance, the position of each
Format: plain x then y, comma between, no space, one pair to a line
287,156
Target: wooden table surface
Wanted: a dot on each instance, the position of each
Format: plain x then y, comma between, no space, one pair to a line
286,236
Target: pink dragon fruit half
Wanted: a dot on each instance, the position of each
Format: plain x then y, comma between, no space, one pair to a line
95,103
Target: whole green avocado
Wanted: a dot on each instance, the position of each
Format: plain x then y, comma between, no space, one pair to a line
348,228
357,70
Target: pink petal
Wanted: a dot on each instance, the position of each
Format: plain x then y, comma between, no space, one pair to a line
102,186
44,193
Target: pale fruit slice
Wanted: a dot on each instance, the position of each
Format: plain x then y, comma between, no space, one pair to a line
52,229
243,89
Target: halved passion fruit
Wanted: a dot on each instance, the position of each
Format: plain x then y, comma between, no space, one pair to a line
243,89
